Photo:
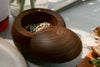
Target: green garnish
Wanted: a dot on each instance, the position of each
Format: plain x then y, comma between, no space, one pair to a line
95,62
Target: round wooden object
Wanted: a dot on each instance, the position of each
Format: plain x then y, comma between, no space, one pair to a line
22,37
56,44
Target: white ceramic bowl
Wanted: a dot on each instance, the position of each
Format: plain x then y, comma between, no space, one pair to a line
10,56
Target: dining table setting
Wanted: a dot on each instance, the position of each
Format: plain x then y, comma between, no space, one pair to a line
56,33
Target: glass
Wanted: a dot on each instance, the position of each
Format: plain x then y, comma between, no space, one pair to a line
14,7
41,4
3,15
17,6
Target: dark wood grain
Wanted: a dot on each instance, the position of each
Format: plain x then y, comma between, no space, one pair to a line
58,43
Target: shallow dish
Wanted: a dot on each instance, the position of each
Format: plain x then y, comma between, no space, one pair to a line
10,56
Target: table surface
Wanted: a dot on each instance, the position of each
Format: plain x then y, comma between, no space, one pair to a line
82,19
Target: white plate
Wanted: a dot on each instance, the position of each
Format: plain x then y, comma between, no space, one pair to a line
87,38
10,56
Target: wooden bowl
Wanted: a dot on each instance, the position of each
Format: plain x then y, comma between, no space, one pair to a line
22,37
56,44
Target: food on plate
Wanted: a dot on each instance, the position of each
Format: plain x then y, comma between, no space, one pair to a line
96,49
99,41
97,31
95,62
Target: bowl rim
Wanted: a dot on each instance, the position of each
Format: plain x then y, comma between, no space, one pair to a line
18,19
